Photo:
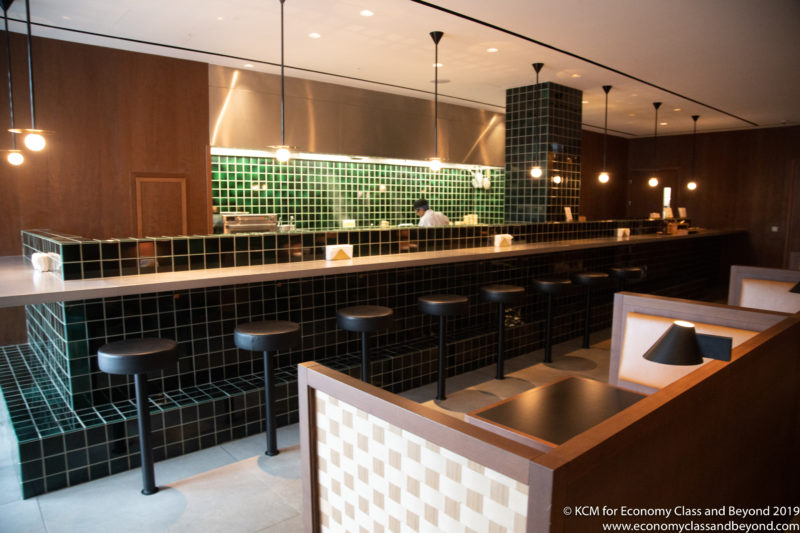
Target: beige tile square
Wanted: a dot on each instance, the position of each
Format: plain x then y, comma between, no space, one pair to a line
452,509
412,520
499,493
475,501
431,515
377,466
453,471
432,479
377,434
413,487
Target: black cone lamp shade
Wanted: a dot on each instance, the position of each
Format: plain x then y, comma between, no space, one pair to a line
796,288
677,346
681,345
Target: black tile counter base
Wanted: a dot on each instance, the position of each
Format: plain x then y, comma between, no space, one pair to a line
74,423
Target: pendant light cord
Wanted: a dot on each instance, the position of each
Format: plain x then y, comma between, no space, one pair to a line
655,137
283,86
10,82
30,63
606,89
694,146
436,101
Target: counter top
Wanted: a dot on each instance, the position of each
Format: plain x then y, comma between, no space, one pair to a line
21,285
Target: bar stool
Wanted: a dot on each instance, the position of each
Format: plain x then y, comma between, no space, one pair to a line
265,336
589,280
138,357
550,287
443,305
366,319
503,295
622,274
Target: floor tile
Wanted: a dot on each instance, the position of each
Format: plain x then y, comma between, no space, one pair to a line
21,517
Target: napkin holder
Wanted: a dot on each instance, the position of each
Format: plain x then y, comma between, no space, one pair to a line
338,252
503,239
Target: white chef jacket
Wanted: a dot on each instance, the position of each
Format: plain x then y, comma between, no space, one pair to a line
433,218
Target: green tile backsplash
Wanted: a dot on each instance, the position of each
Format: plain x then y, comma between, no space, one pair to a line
320,193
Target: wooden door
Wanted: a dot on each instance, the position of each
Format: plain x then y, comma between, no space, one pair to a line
791,252
160,206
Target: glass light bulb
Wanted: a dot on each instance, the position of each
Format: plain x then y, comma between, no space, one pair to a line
691,185
283,154
15,158
653,182
436,164
34,142
603,177
536,172
557,179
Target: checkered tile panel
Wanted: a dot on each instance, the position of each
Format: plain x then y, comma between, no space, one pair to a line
376,477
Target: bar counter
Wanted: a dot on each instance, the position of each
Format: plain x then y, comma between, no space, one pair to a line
21,285
75,423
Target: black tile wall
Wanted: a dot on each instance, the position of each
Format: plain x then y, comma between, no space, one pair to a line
216,394
172,254
543,128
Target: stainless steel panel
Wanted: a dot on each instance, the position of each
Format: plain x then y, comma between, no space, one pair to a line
327,118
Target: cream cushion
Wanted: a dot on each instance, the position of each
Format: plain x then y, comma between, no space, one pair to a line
769,295
641,331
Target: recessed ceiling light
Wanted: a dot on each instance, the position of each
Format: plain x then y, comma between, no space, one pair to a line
492,50
631,114
585,101
248,65
220,18
66,17
663,123
438,65
576,75
314,35
677,109
366,13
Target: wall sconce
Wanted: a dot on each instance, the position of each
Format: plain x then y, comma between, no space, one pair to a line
682,345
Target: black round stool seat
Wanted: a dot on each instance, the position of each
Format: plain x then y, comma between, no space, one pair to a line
137,356
627,272
504,294
365,318
266,335
443,304
590,279
551,286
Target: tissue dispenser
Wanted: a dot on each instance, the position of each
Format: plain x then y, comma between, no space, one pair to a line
337,252
503,239
45,262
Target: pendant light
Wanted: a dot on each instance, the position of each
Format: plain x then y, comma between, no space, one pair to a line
603,177
34,138
692,185
653,181
283,152
435,162
536,170
13,156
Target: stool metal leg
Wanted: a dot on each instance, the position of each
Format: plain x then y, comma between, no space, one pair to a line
587,317
142,409
500,355
365,370
440,393
547,327
269,401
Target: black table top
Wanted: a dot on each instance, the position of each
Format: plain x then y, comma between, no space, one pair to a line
556,412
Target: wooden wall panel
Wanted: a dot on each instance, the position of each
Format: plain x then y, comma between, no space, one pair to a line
115,114
160,206
600,201
744,182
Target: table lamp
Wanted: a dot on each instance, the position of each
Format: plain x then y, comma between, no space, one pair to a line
682,345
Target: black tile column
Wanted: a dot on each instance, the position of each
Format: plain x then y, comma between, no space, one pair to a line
543,127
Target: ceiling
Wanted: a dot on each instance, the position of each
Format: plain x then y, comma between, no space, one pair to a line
736,63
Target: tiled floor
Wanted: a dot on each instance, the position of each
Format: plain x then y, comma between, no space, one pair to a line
234,487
